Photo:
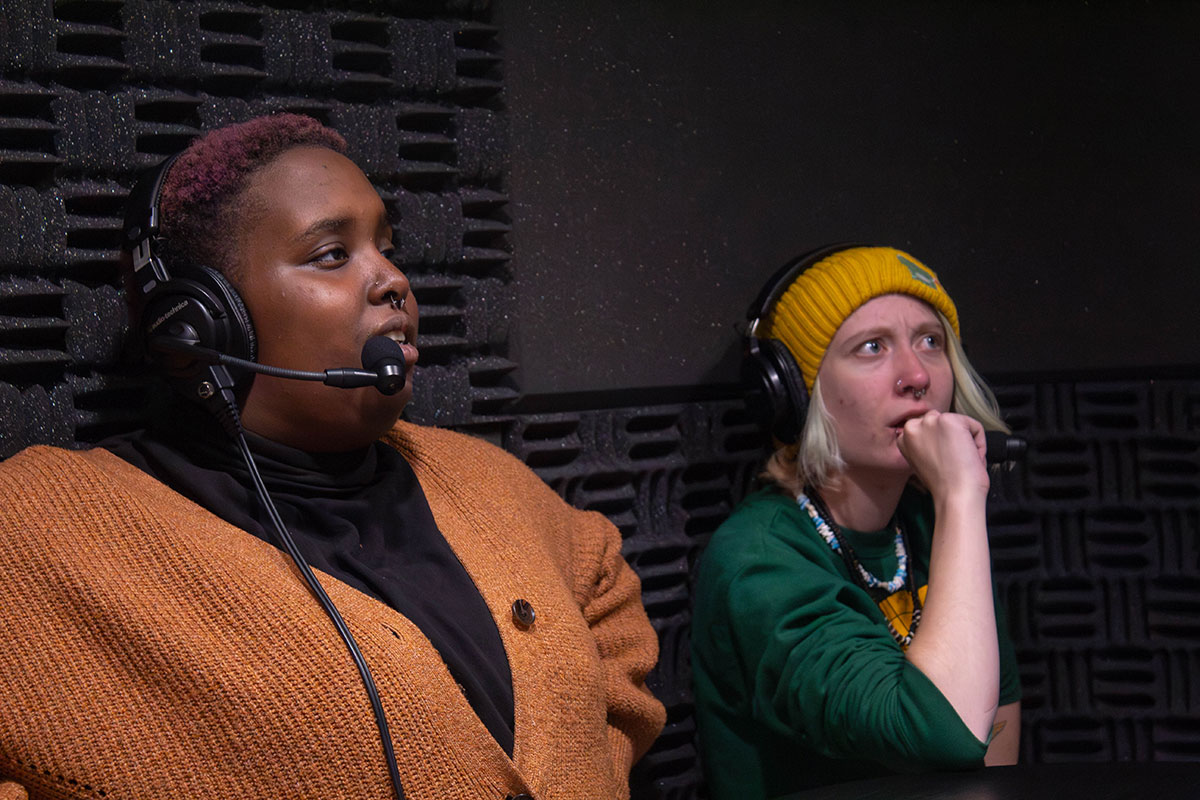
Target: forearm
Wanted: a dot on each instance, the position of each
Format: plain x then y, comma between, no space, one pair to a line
956,645
1005,746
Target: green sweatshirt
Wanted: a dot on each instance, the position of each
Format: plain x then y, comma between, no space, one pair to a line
798,681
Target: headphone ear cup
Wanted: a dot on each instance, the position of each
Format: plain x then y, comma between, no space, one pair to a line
797,392
776,395
202,307
243,339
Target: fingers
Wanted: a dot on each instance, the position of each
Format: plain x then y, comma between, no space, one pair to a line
949,422
944,447
980,435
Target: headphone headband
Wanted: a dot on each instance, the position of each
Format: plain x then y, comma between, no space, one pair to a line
141,233
778,283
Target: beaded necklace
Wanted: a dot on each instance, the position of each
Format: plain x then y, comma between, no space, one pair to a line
822,520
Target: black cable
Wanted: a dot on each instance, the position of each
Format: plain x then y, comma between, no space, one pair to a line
330,609
231,422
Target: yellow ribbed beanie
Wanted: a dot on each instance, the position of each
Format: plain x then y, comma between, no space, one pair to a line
809,312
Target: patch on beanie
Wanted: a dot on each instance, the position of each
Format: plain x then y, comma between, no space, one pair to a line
919,273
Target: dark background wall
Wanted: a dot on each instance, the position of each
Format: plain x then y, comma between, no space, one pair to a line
587,198
667,156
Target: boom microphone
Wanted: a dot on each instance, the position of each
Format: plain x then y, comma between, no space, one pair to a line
385,358
1002,447
383,362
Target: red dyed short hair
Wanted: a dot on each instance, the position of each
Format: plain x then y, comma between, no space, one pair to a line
201,195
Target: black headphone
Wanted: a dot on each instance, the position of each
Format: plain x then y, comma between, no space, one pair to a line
775,392
188,303
196,307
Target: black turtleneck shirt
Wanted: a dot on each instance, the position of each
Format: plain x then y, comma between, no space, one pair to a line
359,516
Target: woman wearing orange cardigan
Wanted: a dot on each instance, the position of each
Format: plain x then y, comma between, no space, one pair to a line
155,639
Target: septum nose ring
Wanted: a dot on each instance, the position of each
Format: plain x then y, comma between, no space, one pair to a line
916,393
396,301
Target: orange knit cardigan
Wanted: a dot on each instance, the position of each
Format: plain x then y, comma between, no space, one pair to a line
148,649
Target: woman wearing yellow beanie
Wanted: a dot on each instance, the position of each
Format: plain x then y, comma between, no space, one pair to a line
845,625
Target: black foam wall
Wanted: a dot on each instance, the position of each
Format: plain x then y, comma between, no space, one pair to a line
1096,536
1095,542
93,92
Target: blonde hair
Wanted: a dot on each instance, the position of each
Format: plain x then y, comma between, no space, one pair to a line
815,459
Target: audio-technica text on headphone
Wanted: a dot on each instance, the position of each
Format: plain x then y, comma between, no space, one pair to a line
775,392
180,301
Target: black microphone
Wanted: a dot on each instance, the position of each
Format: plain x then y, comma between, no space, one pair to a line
1002,447
383,360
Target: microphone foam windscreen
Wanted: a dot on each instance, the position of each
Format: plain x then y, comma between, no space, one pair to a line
379,349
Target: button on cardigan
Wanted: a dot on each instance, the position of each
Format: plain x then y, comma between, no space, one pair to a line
149,649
